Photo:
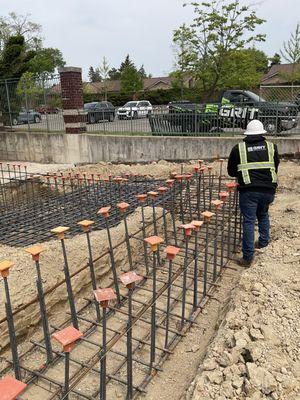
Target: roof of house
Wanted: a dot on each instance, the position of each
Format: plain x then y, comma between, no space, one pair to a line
115,86
276,73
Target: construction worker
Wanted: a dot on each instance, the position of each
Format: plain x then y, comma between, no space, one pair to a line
255,164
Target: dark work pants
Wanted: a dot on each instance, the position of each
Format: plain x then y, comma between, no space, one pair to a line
255,205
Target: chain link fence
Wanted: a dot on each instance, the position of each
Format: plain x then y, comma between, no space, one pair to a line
34,104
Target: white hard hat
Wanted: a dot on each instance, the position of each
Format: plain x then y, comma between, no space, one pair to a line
255,127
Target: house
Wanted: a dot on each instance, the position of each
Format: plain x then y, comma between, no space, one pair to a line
159,83
278,74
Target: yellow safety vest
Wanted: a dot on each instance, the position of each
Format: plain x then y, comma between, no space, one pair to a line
244,167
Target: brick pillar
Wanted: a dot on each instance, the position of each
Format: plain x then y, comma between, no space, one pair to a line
72,99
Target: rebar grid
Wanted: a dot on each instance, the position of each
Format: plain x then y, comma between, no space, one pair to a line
163,306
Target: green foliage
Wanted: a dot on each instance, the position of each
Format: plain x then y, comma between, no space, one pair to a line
243,69
275,60
15,60
156,97
94,74
114,74
46,61
131,80
218,29
29,86
21,38
128,66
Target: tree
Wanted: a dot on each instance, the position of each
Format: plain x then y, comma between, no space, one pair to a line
94,74
275,60
114,74
131,80
182,50
142,72
218,29
126,64
104,73
291,54
46,61
291,48
15,60
20,25
243,69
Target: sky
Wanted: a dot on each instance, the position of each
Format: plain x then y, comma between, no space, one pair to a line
85,31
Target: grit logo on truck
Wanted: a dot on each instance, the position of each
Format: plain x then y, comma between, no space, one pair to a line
238,112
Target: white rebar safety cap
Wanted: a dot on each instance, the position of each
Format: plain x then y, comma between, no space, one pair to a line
255,127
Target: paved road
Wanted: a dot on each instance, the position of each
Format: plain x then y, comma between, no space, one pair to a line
55,123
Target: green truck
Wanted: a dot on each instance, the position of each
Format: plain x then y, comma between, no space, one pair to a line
232,112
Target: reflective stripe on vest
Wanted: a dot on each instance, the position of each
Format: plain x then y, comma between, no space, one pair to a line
244,167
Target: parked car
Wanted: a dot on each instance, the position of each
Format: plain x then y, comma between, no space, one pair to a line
297,100
173,104
24,117
99,111
135,109
46,109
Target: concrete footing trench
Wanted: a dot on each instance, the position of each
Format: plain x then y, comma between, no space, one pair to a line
194,326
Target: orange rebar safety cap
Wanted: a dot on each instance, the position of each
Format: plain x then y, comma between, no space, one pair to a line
154,241
197,225
85,224
35,251
5,266
60,231
207,215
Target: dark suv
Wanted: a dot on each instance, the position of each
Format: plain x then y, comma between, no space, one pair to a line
99,111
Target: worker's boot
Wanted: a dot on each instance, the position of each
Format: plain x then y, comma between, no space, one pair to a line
244,263
257,245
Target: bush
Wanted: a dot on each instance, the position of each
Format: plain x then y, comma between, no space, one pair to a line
156,97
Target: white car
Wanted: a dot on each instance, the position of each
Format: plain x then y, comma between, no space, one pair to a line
135,109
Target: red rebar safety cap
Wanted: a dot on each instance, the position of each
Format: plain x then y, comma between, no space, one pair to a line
104,211
130,278
103,296
11,388
122,206
141,197
67,337
172,251
187,229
